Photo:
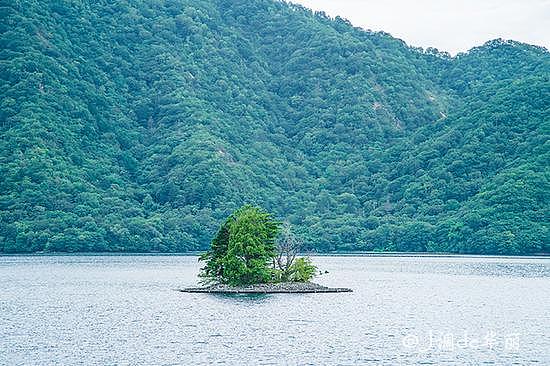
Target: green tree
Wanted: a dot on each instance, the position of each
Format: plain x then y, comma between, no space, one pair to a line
244,248
215,257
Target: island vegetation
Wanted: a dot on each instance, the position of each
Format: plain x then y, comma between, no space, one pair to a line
252,248
140,125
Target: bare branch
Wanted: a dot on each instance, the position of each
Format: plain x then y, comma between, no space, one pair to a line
289,246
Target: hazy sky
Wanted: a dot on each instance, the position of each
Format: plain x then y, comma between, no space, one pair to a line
449,25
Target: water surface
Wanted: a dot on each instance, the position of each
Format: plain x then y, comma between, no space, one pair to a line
107,310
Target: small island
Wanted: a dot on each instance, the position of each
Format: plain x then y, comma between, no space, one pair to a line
252,253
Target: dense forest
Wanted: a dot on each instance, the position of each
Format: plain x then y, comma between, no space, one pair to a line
140,125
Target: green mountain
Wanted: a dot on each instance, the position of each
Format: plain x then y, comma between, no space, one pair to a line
140,125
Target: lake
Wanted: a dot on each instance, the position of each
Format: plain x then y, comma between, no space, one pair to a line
123,310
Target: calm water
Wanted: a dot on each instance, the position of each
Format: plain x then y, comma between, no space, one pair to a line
107,310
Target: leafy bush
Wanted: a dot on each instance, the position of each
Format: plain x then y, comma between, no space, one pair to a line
302,270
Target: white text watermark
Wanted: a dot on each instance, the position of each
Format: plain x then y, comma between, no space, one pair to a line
450,342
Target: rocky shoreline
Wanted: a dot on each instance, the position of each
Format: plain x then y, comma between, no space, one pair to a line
267,288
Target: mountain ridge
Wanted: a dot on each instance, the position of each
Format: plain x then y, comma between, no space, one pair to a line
140,125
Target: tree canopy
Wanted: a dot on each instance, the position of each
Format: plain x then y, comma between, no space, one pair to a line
140,125
243,250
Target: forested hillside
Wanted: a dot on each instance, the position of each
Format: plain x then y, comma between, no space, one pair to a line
140,125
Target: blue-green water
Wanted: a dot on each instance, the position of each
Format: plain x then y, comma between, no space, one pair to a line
122,310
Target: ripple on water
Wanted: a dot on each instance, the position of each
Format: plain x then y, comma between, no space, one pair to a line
122,309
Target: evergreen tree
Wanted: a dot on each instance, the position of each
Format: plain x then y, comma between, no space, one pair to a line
248,239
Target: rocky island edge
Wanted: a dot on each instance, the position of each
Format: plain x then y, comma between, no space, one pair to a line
267,288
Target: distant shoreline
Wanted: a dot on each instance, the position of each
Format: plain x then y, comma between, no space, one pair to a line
333,254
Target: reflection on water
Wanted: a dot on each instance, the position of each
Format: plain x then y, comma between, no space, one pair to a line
124,310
